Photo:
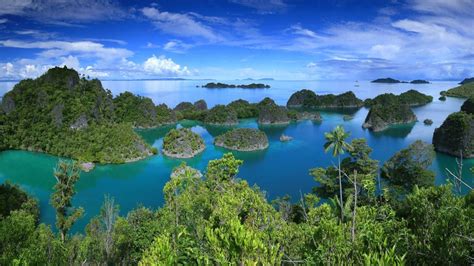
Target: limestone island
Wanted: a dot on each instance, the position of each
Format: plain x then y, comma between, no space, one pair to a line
456,135
410,98
467,80
380,117
309,100
386,80
221,115
419,81
465,90
272,114
218,85
243,139
428,122
182,143
75,117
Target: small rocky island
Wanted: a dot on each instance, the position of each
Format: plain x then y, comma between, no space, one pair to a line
428,122
310,100
182,143
380,117
218,85
221,115
272,114
243,139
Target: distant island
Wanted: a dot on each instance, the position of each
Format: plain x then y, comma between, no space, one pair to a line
419,81
467,80
386,80
393,81
218,85
243,139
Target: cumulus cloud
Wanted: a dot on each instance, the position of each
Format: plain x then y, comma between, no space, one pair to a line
164,67
179,24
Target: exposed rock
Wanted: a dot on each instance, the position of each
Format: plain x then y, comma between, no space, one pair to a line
200,105
273,114
8,104
183,169
57,115
285,138
380,117
428,122
221,115
184,106
243,139
81,122
182,143
87,167
456,135
468,106
313,116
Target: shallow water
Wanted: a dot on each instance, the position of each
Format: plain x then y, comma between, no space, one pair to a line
281,169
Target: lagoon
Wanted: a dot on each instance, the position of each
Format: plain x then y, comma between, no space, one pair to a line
280,170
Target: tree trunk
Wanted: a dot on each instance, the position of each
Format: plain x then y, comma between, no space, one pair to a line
355,207
340,189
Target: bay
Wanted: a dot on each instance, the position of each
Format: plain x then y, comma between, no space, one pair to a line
280,170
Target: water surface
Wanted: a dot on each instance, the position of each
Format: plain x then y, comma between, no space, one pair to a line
280,170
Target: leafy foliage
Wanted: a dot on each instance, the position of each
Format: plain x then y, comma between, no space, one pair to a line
182,143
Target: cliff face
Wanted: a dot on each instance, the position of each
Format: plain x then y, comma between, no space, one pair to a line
221,115
468,106
456,135
309,99
380,117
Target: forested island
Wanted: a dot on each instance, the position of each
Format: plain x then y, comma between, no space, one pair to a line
456,134
465,90
62,114
309,100
385,80
218,85
182,143
243,139
467,80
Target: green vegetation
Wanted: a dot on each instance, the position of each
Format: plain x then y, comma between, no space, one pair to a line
410,97
64,115
220,219
442,98
463,91
409,167
309,99
456,135
386,80
468,106
221,115
381,116
218,85
182,143
187,110
243,109
243,139
272,114
66,174
467,80
13,198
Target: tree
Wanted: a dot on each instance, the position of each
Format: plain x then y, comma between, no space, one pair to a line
109,214
66,174
335,141
409,167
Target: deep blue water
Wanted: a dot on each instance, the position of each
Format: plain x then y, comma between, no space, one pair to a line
280,170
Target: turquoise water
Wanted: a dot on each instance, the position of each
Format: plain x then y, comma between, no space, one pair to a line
281,169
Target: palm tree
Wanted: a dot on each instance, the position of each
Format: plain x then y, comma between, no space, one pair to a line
335,141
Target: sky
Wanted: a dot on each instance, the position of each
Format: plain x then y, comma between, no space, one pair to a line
237,39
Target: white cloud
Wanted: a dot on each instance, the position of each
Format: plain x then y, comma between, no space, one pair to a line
165,67
179,24
263,6
387,51
3,20
176,46
63,12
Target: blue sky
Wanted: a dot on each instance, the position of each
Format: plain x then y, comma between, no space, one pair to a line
235,39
